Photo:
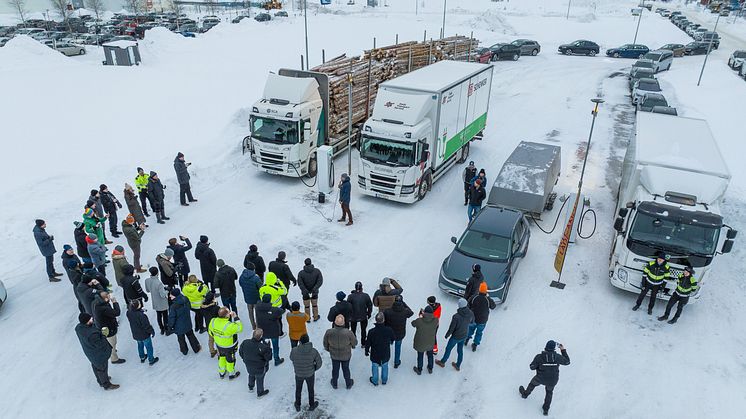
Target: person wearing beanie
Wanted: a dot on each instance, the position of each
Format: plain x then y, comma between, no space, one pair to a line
306,361
345,189
80,244
225,281
256,355
167,268
95,197
426,329
96,348
275,289
141,183
133,205
472,284
250,285
182,176
378,347
210,310
269,319
281,269
386,293
131,286
546,364
468,174
339,341
310,280
224,329
45,242
180,258
73,267
252,256
133,233
97,252
180,321
456,334
296,323
208,262
435,306
159,297
93,223
91,283
362,308
142,332
480,305
476,196
118,260
105,312
195,290
396,319
156,195
110,204
342,307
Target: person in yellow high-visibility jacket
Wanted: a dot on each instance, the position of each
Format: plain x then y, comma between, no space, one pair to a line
224,329
195,291
276,289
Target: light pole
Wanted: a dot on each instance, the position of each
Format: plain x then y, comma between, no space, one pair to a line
639,19
305,25
569,2
443,28
709,48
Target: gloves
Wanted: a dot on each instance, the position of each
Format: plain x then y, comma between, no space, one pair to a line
152,335
119,205
145,297
200,287
51,237
105,331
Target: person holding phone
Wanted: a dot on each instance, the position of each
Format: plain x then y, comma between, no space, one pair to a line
546,364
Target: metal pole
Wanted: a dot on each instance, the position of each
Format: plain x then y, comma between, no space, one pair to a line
305,25
323,56
397,39
349,121
443,28
588,146
424,36
374,42
430,53
639,19
301,62
569,2
468,51
409,60
709,48
416,6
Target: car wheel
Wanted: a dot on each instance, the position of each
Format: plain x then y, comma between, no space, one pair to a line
593,53
616,55
494,57
515,57
82,52
313,166
640,56
425,186
464,154
568,52
535,52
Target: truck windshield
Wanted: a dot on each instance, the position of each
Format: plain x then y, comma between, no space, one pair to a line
393,153
484,245
274,130
677,236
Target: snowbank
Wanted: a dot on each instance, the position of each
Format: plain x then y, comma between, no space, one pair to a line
25,52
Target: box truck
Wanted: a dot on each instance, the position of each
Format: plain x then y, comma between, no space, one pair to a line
673,182
422,124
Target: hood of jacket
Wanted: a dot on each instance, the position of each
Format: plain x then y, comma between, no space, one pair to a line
397,306
270,279
428,317
308,268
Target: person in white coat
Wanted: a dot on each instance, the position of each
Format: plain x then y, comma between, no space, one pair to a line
159,296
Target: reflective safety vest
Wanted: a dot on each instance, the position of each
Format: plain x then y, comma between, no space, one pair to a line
224,331
275,288
686,286
141,182
193,293
655,273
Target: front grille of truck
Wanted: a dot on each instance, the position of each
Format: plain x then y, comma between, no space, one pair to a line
383,191
383,179
270,158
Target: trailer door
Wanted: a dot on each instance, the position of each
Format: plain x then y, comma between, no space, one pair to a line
478,97
452,117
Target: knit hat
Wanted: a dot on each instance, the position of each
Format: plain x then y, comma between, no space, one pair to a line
87,265
140,169
660,255
471,163
386,281
478,182
250,266
304,338
476,268
130,219
153,173
689,269
119,248
128,269
70,263
67,247
295,306
380,318
307,261
358,286
89,203
341,296
203,239
220,263
461,303
84,318
94,192
483,288
102,187
266,298
169,252
77,224
551,345
253,248
179,155
339,320
428,309
175,292
39,222
281,255
431,299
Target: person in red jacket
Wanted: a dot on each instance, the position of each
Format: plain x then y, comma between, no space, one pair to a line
436,313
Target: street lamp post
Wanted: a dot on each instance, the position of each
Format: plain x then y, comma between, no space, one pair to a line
639,19
305,24
443,28
569,2
709,48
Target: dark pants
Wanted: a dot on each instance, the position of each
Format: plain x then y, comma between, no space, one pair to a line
199,321
294,343
192,341
257,379
102,269
185,192
101,372
363,330
144,198
345,371
229,302
113,222
346,211
466,192
80,305
420,359
654,293
50,265
299,388
182,278
136,256
162,319
674,299
549,391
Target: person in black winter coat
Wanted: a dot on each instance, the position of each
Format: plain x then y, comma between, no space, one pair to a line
142,332
472,284
110,204
378,347
156,195
457,332
46,247
73,267
105,313
309,282
476,196
182,176
180,259
180,321
96,349
80,243
280,268
208,263
253,257
225,281
340,307
131,286
362,308
468,174
256,355
396,319
480,305
546,364
87,289
269,319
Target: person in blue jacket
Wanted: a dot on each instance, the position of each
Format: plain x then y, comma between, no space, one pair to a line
47,249
344,198
250,284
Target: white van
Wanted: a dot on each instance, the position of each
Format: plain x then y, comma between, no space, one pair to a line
662,59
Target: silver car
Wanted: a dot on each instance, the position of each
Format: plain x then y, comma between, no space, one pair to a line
70,49
638,73
528,47
737,59
662,59
642,87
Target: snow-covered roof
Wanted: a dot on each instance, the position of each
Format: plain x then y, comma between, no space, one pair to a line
438,76
121,44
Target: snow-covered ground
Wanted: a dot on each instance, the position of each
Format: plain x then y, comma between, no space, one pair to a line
69,124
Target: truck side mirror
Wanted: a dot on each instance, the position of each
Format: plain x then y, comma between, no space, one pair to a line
246,144
619,224
623,212
731,234
454,240
424,155
727,246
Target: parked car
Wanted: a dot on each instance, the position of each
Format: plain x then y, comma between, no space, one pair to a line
682,23
527,46
643,86
505,52
628,51
696,48
638,73
678,49
29,31
737,59
238,19
580,47
666,110
650,100
666,13
643,63
3,294
3,41
70,49
262,17
660,10
281,13
742,72
497,239
483,55
692,28
662,59
711,37
697,35
672,15
187,34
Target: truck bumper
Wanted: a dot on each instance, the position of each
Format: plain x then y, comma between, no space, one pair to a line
389,192
276,168
631,280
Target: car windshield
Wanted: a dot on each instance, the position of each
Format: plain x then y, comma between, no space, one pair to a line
642,73
649,102
677,236
644,64
390,152
484,245
652,56
649,86
740,54
626,46
274,130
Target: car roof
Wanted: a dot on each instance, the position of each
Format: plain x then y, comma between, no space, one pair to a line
648,80
656,96
644,60
496,220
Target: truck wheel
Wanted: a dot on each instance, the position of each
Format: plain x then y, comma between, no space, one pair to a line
313,166
425,185
464,154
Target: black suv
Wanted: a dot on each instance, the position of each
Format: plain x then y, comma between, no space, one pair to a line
580,47
505,52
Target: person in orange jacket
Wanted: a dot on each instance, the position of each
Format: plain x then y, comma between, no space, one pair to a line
296,323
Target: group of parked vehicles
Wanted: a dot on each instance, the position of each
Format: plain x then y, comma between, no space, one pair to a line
704,39
508,51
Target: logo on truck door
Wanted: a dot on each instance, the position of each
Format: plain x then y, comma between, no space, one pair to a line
473,87
398,106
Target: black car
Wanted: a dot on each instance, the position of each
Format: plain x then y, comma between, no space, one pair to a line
262,17
696,48
505,52
238,19
580,47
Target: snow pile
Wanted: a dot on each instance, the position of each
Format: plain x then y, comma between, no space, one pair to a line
25,52
492,21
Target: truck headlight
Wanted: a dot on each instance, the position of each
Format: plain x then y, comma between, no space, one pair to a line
622,274
361,181
407,189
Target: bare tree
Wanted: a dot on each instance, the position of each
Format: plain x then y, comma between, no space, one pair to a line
97,6
19,6
60,6
176,8
135,6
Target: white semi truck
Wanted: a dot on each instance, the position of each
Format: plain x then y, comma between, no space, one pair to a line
673,182
422,124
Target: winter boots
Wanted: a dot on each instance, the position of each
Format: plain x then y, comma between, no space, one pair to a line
159,217
473,347
54,279
523,392
417,370
315,306
232,376
307,307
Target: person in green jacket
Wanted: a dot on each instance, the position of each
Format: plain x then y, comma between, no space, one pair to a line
276,289
141,183
224,329
92,223
195,291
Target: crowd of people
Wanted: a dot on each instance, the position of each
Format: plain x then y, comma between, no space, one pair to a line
186,305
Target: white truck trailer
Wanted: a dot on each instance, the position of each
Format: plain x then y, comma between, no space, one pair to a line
422,124
673,181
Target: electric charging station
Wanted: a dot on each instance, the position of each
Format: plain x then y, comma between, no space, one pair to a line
325,172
